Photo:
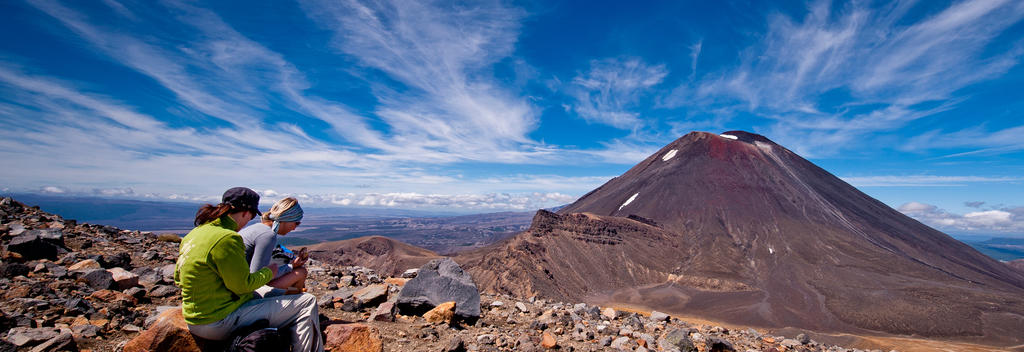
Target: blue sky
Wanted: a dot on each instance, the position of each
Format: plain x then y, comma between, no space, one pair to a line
508,105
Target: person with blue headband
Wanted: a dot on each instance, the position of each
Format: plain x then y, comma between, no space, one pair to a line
261,238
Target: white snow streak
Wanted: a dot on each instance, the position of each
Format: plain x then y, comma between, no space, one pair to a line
729,136
669,155
630,200
771,251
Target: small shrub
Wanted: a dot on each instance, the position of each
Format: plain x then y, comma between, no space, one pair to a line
169,237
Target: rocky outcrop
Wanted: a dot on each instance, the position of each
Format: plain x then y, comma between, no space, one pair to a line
440,281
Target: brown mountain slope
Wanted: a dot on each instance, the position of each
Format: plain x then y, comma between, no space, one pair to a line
737,228
385,255
1016,264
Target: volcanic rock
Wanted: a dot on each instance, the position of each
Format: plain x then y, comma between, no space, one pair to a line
98,279
168,333
123,279
439,281
352,338
384,312
23,336
38,244
371,296
63,342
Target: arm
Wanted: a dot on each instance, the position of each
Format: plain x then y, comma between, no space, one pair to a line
228,259
263,250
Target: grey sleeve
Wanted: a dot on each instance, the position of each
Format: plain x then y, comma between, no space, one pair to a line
262,251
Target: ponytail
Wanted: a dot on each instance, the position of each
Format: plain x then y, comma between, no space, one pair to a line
210,212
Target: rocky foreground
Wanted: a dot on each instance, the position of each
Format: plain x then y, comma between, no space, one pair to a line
79,287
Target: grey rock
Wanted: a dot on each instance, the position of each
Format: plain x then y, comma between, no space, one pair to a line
24,337
485,339
439,281
63,342
659,316
347,280
605,341
803,339
455,345
622,343
790,343
411,273
168,273
88,330
160,291
522,307
327,300
138,293
118,260
76,306
678,339
372,295
98,279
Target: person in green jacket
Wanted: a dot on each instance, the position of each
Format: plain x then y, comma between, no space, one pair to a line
218,291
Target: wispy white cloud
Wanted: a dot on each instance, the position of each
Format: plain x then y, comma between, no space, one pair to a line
608,92
449,105
925,180
1005,220
53,190
879,68
979,139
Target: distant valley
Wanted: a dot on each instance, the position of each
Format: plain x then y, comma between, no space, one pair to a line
439,232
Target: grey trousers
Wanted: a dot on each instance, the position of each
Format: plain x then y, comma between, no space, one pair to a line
296,312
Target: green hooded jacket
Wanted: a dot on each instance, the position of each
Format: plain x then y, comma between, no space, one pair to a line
213,273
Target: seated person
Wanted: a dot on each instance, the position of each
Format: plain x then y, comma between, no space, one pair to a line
217,288
261,238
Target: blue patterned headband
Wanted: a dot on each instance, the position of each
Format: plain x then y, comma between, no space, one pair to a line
293,214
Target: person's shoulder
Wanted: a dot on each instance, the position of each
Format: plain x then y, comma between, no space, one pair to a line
255,230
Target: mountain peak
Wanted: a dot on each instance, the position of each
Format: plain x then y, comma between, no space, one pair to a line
738,228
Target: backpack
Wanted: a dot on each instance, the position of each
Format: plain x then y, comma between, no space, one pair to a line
259,337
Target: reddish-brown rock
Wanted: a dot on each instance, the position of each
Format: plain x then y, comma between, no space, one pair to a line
352,338
169,333
548,341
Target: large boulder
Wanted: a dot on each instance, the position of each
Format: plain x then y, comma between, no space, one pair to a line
439,281
168,333
38,244
351,338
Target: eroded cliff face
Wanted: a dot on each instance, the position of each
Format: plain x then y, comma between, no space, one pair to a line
737,228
